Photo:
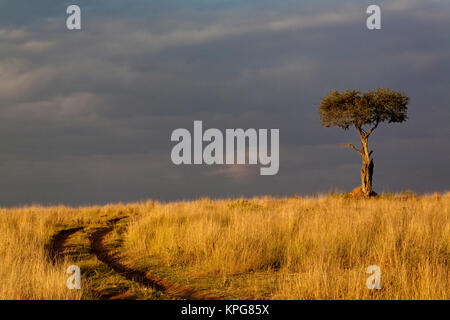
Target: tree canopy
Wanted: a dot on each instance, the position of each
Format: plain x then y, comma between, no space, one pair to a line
354,108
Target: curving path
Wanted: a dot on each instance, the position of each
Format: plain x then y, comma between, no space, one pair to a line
57,247
57,250
170,289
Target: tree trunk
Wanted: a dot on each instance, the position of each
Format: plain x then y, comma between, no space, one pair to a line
367,169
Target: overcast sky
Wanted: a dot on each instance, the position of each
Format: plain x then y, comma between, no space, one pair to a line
86,116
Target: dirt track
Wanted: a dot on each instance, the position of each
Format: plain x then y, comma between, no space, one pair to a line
143,278
57,246
57,249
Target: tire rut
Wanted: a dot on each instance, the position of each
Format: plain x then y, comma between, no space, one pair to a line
57,247
167,288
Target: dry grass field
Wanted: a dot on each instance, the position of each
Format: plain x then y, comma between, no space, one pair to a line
260,248
25,270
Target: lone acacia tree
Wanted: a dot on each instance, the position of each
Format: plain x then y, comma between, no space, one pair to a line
364,111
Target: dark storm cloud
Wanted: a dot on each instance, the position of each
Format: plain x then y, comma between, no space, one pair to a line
86,116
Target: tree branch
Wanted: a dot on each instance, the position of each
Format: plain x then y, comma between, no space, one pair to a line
371,130
352,146
361,132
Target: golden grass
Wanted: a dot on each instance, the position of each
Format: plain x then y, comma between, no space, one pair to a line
296,248
316,248
26,271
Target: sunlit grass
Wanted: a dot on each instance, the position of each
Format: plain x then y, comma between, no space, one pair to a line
315,248
273,248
